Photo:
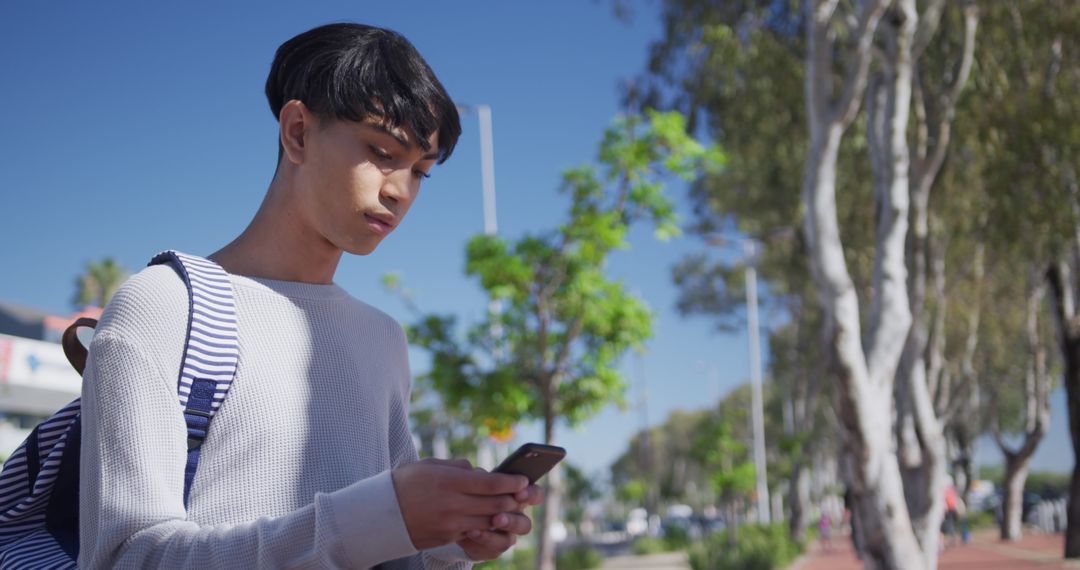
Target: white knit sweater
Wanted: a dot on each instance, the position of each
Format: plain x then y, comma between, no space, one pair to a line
295,469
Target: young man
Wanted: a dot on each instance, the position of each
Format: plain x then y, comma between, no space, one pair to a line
309,462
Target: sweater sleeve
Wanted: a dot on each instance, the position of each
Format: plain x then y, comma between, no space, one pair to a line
446,557
132,513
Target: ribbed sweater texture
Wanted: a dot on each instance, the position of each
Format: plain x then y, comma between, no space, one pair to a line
295,469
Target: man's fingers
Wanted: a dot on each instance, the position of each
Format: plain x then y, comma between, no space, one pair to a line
473,523
532,495
489,505
483,483
492,540
513,523
458,463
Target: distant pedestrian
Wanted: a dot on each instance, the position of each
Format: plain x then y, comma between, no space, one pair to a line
825,531
954,511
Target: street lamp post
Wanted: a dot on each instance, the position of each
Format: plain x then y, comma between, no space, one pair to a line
755,383
487,163
756,403
486,455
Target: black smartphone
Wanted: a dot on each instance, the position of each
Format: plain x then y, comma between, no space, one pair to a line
532,460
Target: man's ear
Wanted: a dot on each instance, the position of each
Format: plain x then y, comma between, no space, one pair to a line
295,121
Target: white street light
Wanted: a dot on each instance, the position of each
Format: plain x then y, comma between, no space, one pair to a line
755,382
486,456
757,405
487,163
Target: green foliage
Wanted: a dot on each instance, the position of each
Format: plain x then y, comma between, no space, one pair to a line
725,457
521,558
580,490
632,492
99,282
757,548
692,457
676,538
1048,484
563,324
980,520
578,558
646,545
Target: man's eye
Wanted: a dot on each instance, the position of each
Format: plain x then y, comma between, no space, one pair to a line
381,153
421,174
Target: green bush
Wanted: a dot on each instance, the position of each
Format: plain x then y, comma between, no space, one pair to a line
979,520
755,548
648,545
578,558
521,558
676,538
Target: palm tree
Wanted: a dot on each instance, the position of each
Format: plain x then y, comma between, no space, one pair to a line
99,282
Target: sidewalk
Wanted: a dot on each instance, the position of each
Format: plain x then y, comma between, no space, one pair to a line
984,552
665,561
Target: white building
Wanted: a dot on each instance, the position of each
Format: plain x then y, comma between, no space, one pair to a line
35,376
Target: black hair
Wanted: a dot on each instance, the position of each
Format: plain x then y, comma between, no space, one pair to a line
355,72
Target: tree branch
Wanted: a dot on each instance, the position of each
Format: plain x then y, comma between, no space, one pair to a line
928,27
928,170
573,332
1064,305
936,342
847,106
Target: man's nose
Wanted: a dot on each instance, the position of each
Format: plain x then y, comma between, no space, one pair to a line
395,186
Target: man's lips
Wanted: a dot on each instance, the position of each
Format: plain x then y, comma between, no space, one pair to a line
380,225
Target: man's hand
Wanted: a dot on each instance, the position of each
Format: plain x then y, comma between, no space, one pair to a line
505,528
442,501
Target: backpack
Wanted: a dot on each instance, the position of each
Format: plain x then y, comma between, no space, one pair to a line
39,485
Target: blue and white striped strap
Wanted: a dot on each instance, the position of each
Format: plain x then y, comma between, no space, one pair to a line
210,349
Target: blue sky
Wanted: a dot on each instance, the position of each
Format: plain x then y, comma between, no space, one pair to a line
134,127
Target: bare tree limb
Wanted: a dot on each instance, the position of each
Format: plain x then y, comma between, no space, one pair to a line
1064,304
927,171
928,26
847,106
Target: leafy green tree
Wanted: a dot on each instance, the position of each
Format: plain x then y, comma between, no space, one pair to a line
728,465
738,68
661,457
564,324
1028,137
99,282
580,490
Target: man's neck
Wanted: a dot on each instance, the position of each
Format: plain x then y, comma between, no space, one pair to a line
280,244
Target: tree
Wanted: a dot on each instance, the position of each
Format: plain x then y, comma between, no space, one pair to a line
580,489
743,81
564,323
901,82
99,282
728,465
1028,412
828,26
1029,139
661,458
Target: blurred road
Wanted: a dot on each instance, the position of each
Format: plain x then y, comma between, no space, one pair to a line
985,552
665,561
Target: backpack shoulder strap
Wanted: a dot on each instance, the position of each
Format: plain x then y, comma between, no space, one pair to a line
211,350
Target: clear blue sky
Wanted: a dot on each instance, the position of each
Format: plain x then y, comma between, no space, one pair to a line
134,127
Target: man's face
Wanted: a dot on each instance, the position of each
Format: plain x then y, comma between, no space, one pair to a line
360,179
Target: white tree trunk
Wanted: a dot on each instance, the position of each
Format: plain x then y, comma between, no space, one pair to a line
1012,509
865,377
1037,420
906,39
